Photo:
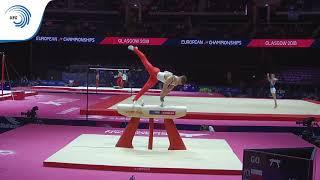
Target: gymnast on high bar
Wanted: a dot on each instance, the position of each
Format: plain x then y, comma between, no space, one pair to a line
168,79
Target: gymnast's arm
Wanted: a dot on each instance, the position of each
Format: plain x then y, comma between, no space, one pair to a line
268,77
167,87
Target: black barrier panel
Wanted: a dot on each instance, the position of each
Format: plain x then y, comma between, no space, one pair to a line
278,164
316,44
9,123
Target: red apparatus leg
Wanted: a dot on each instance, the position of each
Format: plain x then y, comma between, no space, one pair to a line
175,139
151,128
126,138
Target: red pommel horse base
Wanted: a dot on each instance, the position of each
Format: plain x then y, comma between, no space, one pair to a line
168,113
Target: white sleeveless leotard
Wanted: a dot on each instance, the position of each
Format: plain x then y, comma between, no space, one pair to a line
161,75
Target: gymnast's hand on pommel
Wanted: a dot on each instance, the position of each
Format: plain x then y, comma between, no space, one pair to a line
161,100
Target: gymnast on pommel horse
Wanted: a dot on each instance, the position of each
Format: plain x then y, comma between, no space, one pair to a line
168,79
137,112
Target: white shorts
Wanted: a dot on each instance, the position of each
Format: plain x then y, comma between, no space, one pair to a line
273,90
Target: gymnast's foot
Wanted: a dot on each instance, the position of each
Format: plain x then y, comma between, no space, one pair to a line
275,106
130,48
134,103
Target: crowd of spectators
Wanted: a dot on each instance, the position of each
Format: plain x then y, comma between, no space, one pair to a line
121,18
137,77
96,5
283,91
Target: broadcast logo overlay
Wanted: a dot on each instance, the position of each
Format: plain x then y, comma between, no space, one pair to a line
20,19
19,15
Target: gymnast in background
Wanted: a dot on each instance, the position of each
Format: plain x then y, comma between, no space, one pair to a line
272,79
121,78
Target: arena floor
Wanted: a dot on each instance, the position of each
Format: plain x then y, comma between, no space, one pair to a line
67,106
203,156
23,151
217,108
233,105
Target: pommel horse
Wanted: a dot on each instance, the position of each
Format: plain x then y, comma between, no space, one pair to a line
168,113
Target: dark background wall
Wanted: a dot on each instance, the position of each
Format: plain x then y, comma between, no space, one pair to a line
206,66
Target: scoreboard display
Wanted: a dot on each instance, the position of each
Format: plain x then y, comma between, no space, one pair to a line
278,164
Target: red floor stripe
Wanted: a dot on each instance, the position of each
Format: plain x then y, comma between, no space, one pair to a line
143,169
221,116
312,101
102,109
102,106
27,94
